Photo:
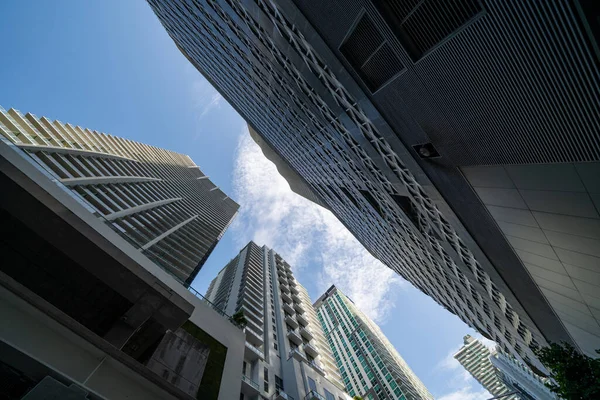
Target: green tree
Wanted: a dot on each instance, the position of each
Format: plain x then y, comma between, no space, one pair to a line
577,376
357,398
239,318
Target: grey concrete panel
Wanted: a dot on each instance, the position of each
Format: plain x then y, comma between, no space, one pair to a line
592,302
587,324
587,288
572,294
590,175
523,232
488,176
568,224
595,312
501,197
579,311
559,177
513,215
540,249
583,274
561,279
575,243
568,203
586,341
547,263
578,259
596,199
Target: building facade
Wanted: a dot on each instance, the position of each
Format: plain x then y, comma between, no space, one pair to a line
86,314
474,356
519,378
369,364
287,356
158,200
461,154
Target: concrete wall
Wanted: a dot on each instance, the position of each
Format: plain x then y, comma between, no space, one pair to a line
45,341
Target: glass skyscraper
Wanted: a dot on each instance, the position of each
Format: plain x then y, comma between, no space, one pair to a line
369,364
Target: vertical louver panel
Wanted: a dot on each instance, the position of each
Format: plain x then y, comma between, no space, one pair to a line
370,55
420,26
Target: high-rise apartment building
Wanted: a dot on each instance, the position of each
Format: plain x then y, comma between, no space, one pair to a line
457,141
158,200
369,364
86,311
474,356
520,378
287,356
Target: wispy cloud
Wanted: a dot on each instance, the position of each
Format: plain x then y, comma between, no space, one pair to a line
468,393
308,236
205,98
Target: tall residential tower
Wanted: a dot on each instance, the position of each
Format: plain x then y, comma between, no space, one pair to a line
458,141
369,364
475,358
158,200
286,352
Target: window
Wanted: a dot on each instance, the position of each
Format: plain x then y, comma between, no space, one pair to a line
369,197
421,26
370,55
278,384
275,346
244,367
312,385
328,395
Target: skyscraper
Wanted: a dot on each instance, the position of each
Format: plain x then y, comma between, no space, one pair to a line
286,353
475,357
369,364
88,311
458,142
520,378
158,200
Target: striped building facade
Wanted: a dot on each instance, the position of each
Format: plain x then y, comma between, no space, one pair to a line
369,364
287,355
157,200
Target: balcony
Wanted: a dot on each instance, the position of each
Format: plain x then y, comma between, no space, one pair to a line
291,321
281,396
310,350
252,353
288,309
253,337
249,314
286,298
255,327
306,333
281,273
251,304
299,308
293,336
293,289
292,282
296,298
302,319
284,288
317,367
249,387
312,395
295,353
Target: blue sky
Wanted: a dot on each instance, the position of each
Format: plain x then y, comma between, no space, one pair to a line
110,66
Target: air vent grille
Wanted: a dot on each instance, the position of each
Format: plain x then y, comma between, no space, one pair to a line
370,55
422,25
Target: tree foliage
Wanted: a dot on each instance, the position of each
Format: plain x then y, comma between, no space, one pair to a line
577,376
357,398
239,318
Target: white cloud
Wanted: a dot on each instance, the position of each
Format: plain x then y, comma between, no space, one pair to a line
204,97
306,234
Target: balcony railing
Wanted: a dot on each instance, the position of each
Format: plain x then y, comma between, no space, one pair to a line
312,395
250,382
214,307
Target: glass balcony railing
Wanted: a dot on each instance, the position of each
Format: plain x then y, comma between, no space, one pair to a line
313,395
214,307
250,382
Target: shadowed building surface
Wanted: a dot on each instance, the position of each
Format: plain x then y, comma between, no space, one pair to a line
458,141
